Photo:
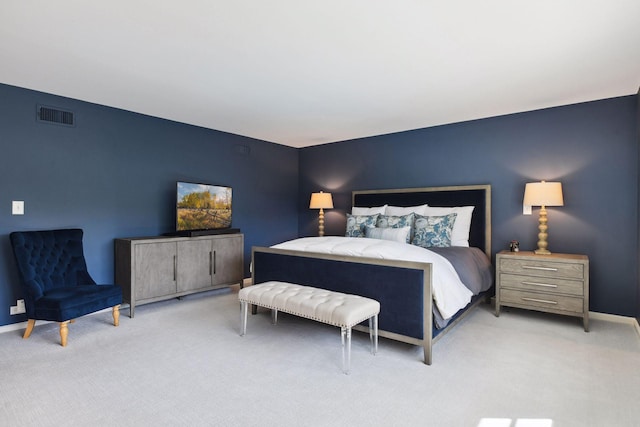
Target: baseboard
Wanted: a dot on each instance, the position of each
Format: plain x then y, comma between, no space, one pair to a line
23,325
612,317
248,282
16,326
616,318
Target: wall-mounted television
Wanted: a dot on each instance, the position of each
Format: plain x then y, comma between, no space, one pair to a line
202,207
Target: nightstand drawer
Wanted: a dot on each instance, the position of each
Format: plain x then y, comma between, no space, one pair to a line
549,285
542,268
541,301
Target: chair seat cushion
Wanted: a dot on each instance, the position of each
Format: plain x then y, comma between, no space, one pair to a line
66,303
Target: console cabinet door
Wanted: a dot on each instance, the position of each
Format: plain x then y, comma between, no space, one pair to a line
195,265
228,260
155,269
210,262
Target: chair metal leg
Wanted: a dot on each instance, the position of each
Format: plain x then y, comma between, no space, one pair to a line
243,318
64,331
30,324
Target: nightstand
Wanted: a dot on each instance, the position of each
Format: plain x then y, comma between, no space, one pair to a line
556,283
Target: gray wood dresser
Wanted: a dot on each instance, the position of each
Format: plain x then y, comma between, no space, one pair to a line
555,283
152,269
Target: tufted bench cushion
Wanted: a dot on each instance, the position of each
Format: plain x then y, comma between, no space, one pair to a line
333,308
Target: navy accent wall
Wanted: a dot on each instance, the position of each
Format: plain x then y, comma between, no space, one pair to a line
592,148
114,175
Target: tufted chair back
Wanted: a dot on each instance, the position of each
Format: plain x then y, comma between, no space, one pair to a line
49,259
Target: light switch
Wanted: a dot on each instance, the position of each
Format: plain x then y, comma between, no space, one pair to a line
526,210
17,207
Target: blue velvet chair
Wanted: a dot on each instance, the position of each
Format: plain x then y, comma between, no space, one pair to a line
57,286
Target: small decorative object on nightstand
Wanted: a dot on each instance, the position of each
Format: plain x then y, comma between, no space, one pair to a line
555,283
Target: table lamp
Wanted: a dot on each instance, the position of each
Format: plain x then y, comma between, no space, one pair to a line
321,201
543,194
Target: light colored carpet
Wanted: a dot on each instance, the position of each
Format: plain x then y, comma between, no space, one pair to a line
182,363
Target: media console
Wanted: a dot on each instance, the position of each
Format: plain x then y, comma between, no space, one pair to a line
152,269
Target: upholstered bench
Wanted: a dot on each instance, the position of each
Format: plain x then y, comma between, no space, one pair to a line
333,308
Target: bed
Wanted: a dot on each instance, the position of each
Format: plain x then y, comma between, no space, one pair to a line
419,296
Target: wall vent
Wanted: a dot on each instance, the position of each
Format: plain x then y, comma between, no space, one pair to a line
242,150
54,115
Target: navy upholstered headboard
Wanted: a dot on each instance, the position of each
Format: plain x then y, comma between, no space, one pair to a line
465,195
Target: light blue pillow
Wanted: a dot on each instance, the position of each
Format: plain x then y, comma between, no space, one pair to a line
357,223
397,221
399,234
433,231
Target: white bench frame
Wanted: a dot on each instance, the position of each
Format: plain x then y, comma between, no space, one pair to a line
247,298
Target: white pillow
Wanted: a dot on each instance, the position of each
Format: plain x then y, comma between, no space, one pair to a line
460,233
400,211
368,211
394,234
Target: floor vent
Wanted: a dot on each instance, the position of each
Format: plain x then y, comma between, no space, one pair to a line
55,115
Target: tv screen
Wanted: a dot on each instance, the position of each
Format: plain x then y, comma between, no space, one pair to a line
202,206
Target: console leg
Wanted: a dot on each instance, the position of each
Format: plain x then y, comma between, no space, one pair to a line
585,322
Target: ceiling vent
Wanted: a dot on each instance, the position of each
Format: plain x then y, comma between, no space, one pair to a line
54,115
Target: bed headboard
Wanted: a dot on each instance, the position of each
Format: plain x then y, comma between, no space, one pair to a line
463,195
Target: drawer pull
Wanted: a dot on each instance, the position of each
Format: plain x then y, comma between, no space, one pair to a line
530,267
539,300
546,285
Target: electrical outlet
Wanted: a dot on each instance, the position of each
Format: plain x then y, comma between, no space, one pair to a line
18,308
526,210
17,207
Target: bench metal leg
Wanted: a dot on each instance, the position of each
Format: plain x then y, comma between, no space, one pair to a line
346,349
243,318
274,317
373,333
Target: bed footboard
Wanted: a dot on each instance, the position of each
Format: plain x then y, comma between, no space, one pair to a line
403,288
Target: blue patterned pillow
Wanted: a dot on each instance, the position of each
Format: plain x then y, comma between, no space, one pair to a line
393,221
357,223
429,231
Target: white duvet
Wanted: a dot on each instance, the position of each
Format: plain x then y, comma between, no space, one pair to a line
449,293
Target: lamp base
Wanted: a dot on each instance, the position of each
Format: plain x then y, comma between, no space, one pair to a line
321,223
542,235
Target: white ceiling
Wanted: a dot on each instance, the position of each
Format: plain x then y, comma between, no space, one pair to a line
302,73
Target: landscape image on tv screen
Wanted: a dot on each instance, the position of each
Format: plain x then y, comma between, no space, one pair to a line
203,206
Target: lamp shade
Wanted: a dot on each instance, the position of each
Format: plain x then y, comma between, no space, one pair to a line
321,201
543,194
